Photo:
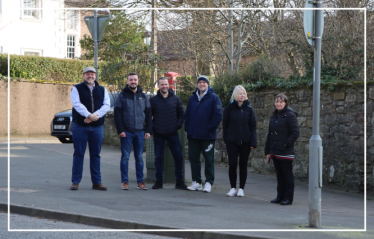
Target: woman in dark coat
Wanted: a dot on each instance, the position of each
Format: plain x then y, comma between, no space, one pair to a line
279,146
239,134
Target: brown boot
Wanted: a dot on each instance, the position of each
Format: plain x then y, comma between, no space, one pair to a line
125,186
74,186
99,186
142,186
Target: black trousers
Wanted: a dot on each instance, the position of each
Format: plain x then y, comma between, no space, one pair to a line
233,151
195,148
286,185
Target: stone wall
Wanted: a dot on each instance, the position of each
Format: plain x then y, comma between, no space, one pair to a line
341,129
110,132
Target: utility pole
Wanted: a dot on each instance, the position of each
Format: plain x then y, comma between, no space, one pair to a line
154,39
313,27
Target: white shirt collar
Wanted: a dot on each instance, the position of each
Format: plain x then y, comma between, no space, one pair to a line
91,88
198,95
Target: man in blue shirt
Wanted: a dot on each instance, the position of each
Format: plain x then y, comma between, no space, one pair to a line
90,104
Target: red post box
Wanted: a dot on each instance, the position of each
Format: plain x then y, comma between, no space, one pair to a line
172,78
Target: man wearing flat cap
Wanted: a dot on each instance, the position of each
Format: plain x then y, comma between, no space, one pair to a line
202,118
90,104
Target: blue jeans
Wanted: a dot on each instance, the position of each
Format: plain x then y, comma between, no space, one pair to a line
93,135
136,139
176,150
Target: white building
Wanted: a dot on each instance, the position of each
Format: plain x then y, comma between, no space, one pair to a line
45,30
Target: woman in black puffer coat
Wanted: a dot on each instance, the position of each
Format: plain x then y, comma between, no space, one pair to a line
239,134
279,146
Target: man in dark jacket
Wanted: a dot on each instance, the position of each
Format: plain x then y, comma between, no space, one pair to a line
133,120
203,116
90,104
167,111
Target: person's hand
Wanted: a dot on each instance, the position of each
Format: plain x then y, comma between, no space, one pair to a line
252,147
93,117
87,120
268,158
147,135
122,135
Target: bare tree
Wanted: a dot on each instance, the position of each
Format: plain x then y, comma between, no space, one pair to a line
342,42
216,41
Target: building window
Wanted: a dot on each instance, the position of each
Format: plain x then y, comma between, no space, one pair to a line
28,53
32,52
32,13
71,20
70,47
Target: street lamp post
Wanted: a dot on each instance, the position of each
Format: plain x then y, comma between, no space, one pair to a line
154,38
313,27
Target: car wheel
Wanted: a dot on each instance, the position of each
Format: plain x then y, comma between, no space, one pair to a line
66,140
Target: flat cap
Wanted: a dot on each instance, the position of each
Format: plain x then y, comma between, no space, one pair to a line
89,68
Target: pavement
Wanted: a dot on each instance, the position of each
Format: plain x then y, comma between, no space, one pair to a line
40,177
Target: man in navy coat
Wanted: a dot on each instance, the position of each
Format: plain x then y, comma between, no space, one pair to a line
202,118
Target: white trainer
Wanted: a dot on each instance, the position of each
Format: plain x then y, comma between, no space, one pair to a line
207,187
232,192
240,193
195,186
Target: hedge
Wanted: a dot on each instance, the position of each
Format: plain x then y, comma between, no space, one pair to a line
45,68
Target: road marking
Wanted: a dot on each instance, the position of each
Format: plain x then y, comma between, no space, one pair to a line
14,147
19,190
5,155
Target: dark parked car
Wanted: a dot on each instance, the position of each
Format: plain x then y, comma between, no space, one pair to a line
61,126
62,123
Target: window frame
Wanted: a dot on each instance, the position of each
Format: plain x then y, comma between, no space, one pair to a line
31,50
38,12
74,46
71,19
